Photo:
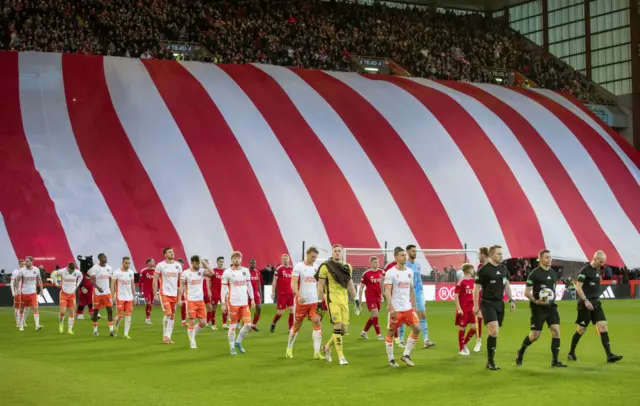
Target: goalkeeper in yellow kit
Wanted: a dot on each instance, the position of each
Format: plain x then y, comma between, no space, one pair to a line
335,285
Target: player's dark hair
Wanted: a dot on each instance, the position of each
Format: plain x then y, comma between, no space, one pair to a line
72,266
410,246
102,254
219,258
126,258
181,261
542,252
164,251
149,260
397,251
312,249
484,251
337,245
195,258
493,248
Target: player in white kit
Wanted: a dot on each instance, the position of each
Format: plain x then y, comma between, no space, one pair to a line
236,292
17,303
68,280
124,287
167,273
401,298
27,283
100,275
191,286
305,289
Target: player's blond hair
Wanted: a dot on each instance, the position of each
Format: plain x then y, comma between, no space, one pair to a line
467,268
372,258
236,254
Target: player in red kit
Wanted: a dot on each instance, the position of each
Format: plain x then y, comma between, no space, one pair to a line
483,258
145,286
464,308
216,296
256,284
282,282
206,293
371,285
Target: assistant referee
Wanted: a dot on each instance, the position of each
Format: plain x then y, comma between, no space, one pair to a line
492,280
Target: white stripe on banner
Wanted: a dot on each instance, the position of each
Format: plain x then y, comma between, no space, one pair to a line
635,171
85,217
287,195
582,170
169,163
556,231
8,257
439,157
374,197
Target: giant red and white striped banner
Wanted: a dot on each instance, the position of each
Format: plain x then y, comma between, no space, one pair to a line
127,156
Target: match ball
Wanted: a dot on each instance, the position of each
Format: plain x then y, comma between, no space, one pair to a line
546,295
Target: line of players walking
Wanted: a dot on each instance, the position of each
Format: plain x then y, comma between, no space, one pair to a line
315,291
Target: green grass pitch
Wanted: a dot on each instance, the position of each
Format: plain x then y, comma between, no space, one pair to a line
48,368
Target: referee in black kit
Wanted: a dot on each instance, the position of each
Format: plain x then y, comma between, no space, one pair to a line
543,310
492,279
590,308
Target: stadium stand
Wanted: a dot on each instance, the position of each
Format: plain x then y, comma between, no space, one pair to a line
308,33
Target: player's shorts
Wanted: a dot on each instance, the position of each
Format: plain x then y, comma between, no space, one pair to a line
374,303
585,315
303,311
466,318
17,301
100,301
339,312
29,300
408,317
67,300
285,301
420,302
256,298
168,304
541,314
492,311
216,298
148,297
237,313
85,299
196,310
125,306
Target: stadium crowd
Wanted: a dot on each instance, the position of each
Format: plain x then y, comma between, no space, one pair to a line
308,33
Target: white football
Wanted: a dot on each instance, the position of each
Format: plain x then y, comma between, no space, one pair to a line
546,295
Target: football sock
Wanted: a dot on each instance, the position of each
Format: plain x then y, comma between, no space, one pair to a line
424,328
147,309
232,335
411,342
170,324
95,326
290,320
225,315
198,328
479,330
368,325
209,317
183,312
470,334
525,344
192,334
329,343
604,337
276,318
36,318
16,315
317,340
337,339
388,342
165,324
461,339
555,348
111,326
574,342
401,333
491,348
61,318
213,317
376,324
71,321
127,324
292,337
243,332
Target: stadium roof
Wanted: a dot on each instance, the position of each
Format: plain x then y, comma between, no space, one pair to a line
478,5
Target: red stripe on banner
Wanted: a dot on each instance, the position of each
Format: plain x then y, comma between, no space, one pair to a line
405,179
248,219
113,163
29,213
510,204
343,217
622,183
627,148
576,211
